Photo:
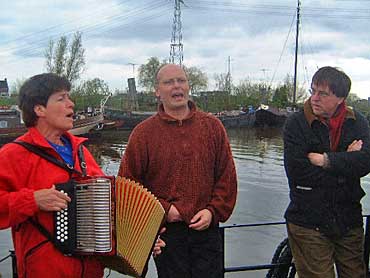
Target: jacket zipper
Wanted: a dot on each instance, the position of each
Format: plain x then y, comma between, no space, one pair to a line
30,252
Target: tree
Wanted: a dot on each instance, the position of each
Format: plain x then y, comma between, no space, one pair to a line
222,82
89,93
300,94
249,93
92,87
280,97
66,59
147,73
14,89
76,60
198,80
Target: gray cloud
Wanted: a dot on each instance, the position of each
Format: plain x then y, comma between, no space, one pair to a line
253,33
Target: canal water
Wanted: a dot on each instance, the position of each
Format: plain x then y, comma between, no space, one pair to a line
262,196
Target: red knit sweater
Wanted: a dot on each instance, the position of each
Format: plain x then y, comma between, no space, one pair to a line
187,163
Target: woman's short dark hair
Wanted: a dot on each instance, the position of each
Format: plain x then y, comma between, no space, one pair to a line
338,82
36,91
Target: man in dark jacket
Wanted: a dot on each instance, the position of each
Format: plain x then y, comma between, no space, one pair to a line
326,152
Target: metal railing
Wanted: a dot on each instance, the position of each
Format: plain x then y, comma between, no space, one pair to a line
274,265
14,262
245,267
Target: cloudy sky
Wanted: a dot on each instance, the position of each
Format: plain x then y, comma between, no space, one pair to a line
258,36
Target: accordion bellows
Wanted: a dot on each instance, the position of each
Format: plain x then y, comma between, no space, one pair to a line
138,218
118,222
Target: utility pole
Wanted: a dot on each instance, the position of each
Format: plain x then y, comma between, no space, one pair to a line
296,56
133,68
228,76
133,104
264,74
176,52
228,82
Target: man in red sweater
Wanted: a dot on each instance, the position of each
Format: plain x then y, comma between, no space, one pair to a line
183,156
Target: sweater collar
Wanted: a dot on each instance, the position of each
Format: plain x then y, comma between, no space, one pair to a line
164,116
311,117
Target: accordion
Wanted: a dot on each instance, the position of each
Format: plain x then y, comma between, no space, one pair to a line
115,219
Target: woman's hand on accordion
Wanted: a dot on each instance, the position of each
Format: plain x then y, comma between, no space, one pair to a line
159,244
51,199
201,220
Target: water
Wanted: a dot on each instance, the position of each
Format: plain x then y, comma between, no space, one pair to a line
262,196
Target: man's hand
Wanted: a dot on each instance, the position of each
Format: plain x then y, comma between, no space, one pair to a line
316,159
201,220
173,215
356,145
51,199
159,244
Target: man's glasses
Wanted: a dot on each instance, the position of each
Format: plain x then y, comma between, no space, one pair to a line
173,81
321,94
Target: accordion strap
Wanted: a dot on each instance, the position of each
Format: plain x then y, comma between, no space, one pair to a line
52,159
81,158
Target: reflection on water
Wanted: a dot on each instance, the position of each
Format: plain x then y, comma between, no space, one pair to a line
262,194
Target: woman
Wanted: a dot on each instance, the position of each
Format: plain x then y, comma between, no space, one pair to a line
28,196
27,180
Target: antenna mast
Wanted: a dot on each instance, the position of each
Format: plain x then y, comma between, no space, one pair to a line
176,52
296,55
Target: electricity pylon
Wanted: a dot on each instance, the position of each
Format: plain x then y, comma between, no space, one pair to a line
176,52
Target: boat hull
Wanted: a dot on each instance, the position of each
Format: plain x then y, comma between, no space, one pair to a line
127,120
237,121
80,127
84,126
269,118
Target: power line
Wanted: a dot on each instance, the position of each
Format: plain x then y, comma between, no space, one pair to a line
35,46
102,23
284,47
108,23
281,10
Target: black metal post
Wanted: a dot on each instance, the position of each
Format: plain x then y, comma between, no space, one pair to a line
14,263
367,243
222,233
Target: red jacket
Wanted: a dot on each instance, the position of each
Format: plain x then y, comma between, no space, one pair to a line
21,173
